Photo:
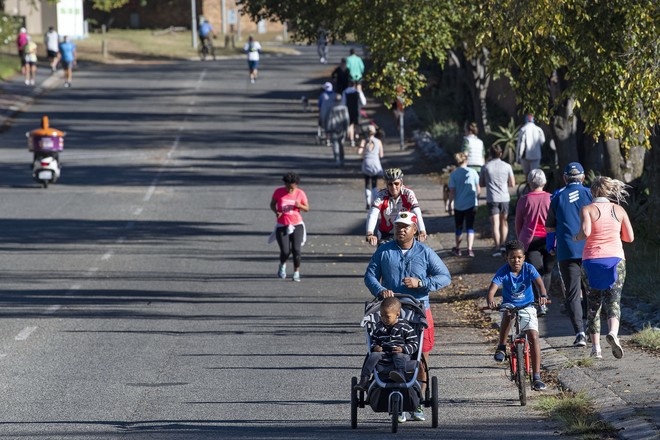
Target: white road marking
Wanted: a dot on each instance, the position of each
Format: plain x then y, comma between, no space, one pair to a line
107,255
52,309
25,333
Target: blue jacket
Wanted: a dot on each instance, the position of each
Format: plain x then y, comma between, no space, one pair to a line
389,266
564,216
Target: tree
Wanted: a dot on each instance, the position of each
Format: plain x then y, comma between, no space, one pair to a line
586,66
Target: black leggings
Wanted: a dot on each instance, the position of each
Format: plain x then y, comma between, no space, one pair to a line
542,260
370,182
290,244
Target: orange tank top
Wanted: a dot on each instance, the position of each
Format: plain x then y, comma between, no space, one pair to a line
605,238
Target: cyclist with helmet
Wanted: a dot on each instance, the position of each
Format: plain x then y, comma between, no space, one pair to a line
386,206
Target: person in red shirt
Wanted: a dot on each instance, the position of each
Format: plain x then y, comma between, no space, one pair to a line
286,203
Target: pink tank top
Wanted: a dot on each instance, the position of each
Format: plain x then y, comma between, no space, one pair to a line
605,238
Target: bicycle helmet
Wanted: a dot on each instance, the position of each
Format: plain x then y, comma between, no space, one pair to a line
392,174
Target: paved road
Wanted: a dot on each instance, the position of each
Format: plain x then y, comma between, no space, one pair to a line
139,293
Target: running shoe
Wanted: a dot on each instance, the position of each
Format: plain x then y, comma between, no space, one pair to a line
456,251
500,353
402,417
282,271
538,385
470,253
596,353
580,340
617,350
296,277
397,377
418,414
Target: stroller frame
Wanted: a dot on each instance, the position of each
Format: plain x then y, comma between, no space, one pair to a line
392,397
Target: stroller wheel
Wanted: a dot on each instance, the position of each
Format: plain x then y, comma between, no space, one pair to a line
396,406
354,402
434,402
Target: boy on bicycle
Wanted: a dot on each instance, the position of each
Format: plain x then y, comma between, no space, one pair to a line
516,278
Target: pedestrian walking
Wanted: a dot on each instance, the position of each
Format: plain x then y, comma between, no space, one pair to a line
341,77
406,266
355,66
322,46
371,150
464,195
497,177
325,102
564,220
68,57
604,224
529,149
52,43
336,128
474,147
253,49
30,62
386,206
531,214
21,42
354,100
287,203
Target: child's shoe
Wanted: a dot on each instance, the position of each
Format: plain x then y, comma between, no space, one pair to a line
397,377
363,385
500,353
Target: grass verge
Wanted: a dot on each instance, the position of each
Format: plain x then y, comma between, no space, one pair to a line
648,338
9,65
575,412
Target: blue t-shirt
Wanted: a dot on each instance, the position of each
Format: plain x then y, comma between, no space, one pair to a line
67,48
564,216
516,290
205,29
465,182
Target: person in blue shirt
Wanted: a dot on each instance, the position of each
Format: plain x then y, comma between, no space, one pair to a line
68,54
516,279
464,197
406,266
206,32
564,220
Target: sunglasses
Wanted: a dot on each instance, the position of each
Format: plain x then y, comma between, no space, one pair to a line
397,183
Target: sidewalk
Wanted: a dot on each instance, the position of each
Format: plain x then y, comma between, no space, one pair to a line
626,392
15,96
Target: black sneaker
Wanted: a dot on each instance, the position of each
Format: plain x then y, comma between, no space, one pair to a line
363,385
538,385
500,353
580,340
397,377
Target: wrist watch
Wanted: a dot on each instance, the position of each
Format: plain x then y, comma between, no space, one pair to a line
421,284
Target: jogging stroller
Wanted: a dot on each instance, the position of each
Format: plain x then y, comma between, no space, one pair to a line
384,395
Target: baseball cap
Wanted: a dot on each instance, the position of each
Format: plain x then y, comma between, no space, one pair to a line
573,169
327,87
406,217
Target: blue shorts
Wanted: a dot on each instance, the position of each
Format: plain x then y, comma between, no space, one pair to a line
253,65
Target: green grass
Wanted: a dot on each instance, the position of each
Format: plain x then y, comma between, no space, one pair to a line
9,65
648,337
576,412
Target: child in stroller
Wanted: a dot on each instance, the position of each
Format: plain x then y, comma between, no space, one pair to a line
388,383
393,340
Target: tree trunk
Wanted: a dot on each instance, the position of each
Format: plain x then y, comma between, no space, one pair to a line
563,126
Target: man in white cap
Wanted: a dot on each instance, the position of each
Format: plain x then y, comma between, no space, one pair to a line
406,266
326,98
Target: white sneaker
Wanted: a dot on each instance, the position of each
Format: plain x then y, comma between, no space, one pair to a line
617,350
282,271
296,277
418,415
596,353
402,417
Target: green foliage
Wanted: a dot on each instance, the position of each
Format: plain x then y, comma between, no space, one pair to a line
9,27
109,5
648,337
507,137
603,54
576,412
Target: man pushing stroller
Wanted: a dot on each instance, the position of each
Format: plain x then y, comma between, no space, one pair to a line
393,340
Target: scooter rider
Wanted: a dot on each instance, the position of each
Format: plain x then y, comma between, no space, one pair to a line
386,206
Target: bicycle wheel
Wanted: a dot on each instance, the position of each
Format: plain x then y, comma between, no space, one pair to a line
521,374
396,405
354,402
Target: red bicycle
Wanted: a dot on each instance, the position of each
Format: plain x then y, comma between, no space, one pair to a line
520,364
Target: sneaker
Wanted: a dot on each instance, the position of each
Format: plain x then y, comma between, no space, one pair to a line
596,353
497,254
580,340
418,414
397,377
456,251
470,253
252,81
363,385
296,277
617,350
502,250
67,84
282,271
538,385
402,417
27,82
500,353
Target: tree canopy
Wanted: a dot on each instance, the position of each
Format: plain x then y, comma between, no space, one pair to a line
604,54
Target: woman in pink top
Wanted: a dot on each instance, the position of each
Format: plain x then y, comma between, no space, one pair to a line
531,212
287,202
604,225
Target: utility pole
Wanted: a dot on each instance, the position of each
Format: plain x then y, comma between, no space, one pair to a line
193,11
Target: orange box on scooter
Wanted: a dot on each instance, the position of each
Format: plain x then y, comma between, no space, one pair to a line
45,139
